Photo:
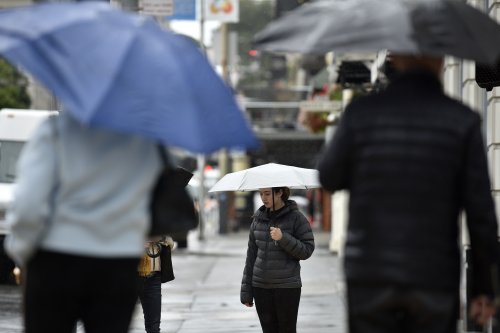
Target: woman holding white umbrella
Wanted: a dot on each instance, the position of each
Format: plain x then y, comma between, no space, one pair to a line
280,236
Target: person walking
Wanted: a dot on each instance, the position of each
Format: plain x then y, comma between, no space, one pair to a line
280,236
413,159
152,274
79,221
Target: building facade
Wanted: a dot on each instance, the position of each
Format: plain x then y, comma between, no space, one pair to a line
460,82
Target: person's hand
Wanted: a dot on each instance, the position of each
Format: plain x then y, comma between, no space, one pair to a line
169,242
276,233
249,305
482,309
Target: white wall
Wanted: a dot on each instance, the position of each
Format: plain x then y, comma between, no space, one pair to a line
339,203
459,82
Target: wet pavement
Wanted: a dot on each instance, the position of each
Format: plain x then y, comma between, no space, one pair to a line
204,297
10,309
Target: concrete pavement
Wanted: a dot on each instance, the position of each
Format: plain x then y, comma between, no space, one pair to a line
204,297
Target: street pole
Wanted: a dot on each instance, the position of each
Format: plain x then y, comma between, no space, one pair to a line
201,158
225,197
202,25
224,51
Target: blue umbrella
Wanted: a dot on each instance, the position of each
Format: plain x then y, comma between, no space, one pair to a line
122,71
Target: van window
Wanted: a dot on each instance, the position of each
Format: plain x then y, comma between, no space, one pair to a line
9,154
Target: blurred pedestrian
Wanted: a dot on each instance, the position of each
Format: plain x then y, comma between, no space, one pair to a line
79,219
413,159
152,275
280,236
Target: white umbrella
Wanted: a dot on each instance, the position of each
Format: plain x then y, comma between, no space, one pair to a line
268,175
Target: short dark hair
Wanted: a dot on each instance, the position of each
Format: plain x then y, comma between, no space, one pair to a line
284,190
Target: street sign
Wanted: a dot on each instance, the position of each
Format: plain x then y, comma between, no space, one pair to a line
156,7
221,10
183,10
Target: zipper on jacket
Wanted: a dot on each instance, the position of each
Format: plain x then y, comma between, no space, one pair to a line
266,254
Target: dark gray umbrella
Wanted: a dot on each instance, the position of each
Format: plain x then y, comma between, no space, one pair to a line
431,27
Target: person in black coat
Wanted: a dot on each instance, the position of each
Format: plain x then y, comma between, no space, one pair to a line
280,236
412,159
154,269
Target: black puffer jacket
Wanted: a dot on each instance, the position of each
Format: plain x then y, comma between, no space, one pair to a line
272,264
412,158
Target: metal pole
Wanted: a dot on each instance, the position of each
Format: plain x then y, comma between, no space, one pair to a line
202,26
201,157
223,154
224,52
201,196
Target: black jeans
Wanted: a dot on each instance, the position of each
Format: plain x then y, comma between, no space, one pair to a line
61,289
150,296
277,309
390,309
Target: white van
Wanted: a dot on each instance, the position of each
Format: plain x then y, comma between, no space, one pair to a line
16,128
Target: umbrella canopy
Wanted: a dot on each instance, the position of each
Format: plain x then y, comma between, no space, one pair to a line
268,175
122,71
431,27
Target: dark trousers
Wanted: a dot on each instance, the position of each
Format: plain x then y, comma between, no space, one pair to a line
61,289
394,310
277,309
150,296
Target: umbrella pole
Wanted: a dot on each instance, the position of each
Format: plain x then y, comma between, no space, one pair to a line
272,193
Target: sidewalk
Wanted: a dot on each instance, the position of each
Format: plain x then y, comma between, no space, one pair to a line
204,297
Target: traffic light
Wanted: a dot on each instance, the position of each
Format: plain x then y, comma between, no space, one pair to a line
253,53
353,73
